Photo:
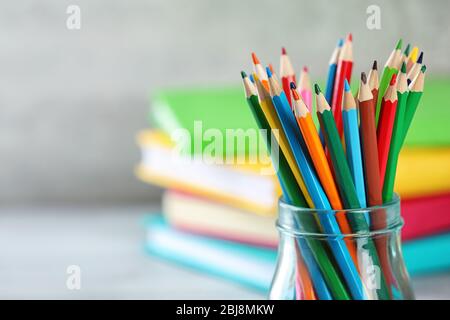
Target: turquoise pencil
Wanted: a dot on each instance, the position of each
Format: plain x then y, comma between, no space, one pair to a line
353,145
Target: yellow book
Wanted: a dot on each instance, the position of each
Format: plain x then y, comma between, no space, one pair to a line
240,185
423,171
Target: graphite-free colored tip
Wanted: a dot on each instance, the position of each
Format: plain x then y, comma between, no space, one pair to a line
243,74
269,72
407,50
340,43
346,86
317,88
399,44
363,77
255,58
393,79
350,37
283,50
403,69
293,86
423,69
305,69
420,59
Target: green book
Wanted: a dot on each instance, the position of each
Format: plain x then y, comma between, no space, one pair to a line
226,108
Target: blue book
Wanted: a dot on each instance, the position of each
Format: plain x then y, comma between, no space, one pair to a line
254,266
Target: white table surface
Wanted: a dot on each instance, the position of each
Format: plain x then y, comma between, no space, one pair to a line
39,243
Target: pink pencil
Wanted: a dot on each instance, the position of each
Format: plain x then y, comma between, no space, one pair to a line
304,86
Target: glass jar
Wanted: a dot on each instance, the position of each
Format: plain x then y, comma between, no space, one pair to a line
316,264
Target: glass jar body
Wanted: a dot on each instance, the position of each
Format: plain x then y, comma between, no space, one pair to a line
318,261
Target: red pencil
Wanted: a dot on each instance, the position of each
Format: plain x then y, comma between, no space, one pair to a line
386,124
287,74
344,71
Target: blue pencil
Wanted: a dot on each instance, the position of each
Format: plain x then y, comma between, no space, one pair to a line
328,221
353,145
332,71
320,286
331,76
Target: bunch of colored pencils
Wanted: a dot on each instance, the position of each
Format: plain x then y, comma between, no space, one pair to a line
349,163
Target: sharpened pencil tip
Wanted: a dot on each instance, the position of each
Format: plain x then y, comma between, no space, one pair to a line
399,44
317,88
407,50
347,86
340,43
255,58
269,72
363,77
408,81
294,92
243,74
375,65
251,78
350,37
403,67
420,59
271,68
423,69
393,79
305,69
283,50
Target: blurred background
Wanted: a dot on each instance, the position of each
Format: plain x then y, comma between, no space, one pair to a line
72,102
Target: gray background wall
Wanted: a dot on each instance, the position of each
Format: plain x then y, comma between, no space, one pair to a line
72,101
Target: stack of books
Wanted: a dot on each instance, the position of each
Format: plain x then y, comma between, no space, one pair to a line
219,216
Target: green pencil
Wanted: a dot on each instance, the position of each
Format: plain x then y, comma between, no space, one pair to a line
415,93
344,179
332,277
390,68
397,136
287,180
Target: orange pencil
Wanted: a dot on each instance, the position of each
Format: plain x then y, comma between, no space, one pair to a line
320,162
260,71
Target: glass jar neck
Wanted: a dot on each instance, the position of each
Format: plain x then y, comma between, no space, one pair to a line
364,222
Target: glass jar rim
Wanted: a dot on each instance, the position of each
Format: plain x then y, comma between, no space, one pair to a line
283,204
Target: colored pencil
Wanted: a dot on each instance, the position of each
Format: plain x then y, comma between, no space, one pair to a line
344,69
328,222
332,71
304,86
353,144
397,136
372,171
374,81
386,124
259,70
291,192
275,124
414,96
287,74
412,58
369,144
415,70
390,68
316,151
344,178
406,54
